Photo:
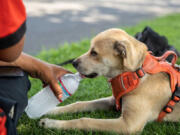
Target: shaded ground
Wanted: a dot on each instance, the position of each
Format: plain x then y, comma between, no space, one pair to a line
53,22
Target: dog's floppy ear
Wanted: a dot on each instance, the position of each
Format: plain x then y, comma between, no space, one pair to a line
120,49
132,53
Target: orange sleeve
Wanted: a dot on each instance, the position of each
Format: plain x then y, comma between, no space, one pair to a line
12,22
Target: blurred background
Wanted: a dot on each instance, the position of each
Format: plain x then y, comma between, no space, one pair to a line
53,22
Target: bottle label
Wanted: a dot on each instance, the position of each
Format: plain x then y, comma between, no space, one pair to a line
66,92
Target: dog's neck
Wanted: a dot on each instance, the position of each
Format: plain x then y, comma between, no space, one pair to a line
113,73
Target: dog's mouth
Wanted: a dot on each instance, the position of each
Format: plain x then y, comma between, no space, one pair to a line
92,75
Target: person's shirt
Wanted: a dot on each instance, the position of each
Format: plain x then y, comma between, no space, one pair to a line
12,22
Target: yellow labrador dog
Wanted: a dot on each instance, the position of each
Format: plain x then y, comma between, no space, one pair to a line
111,53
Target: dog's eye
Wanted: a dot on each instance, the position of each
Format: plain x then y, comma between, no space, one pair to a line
94,53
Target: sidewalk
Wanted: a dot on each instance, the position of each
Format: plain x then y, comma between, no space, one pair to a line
53,22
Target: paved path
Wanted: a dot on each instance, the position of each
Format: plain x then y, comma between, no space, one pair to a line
53,22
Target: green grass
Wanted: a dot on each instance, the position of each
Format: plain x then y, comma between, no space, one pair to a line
96,88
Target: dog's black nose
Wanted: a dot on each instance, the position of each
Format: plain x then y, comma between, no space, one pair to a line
75,63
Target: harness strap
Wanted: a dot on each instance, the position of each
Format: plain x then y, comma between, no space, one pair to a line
140,72
176,94
168,53
170,105
128,83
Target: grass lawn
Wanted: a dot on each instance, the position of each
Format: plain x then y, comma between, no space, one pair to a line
96,88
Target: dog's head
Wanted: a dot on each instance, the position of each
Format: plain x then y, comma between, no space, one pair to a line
111,53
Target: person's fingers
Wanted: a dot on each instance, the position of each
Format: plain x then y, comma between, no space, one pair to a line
60,72
56,88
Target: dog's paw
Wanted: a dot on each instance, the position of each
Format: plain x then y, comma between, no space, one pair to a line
50,123
46,123
42,122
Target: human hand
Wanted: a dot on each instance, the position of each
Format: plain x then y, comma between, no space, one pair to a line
49,74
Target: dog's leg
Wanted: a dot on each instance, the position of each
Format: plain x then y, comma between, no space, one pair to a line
121,125
83,123
133,119
99,104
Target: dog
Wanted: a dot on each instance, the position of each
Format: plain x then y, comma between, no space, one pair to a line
113,52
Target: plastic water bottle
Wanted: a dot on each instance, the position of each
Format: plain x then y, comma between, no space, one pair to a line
45,100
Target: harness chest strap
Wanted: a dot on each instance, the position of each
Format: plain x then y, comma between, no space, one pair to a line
128,81
169,107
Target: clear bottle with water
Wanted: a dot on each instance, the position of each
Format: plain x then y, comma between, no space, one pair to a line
45,100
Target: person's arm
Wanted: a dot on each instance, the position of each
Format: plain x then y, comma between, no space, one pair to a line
12,34
48,73
12,29
12,53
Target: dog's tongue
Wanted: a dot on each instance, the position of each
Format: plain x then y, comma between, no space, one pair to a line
83,76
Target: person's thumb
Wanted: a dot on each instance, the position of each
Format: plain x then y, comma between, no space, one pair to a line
56,88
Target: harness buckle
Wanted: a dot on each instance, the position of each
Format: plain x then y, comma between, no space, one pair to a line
168,109
140,72
176,94
175,98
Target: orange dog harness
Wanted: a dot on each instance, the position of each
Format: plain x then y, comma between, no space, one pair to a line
128,81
